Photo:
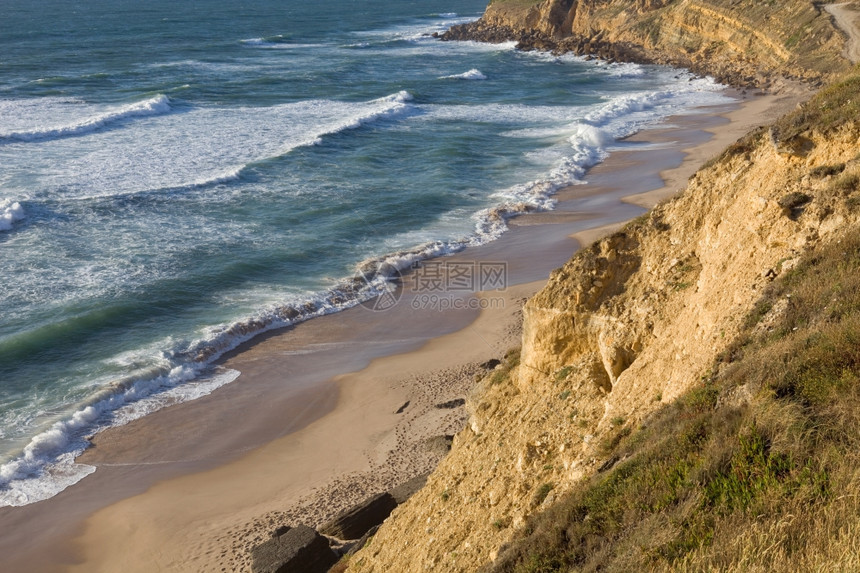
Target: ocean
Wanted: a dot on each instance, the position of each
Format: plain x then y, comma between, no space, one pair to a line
178,177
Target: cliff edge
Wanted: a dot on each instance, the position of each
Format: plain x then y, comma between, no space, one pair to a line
739,42
681,385
624,329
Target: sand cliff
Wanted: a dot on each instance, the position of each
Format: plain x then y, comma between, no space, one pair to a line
639,317
742,42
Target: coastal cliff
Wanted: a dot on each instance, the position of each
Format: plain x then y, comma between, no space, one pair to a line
740,42
640,338
629,325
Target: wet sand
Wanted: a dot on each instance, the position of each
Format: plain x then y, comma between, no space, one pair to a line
312,425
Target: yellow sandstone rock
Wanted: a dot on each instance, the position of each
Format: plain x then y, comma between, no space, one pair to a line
629,323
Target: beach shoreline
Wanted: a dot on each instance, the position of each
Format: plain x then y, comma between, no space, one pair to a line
334,435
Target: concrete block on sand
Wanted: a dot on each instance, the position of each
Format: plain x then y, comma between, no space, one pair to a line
297,550
406,490
358,520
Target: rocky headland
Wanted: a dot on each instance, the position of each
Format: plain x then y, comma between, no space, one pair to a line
739,42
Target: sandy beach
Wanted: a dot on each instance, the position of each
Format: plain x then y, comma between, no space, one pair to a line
330,411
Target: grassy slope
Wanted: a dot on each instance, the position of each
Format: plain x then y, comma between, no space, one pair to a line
758,468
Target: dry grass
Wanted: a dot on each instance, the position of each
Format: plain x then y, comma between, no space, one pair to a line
756,469
833,108
827,170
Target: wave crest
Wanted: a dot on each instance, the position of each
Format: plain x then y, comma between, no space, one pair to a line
589,139
473,74
47,464
276,42
157,105
10,212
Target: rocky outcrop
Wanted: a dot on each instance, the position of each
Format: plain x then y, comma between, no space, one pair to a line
626,326
451,404
302,549
439,444
293,550
741,42
358,520
406,490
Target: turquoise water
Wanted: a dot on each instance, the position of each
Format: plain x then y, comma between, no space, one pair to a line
176,177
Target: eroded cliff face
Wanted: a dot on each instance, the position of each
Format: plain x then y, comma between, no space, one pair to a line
743,42
628,324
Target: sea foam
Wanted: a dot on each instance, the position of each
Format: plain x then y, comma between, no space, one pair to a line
473,74
156,105
207,146
10,212
589,139
353,116
276,42
47,464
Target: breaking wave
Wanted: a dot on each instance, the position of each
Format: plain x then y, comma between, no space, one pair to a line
473,74
10,212
157,105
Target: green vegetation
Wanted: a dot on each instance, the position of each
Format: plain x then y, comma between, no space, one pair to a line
541,493
742,147
503,370
845,184
755,469
563,373
833,107
827,170
794,200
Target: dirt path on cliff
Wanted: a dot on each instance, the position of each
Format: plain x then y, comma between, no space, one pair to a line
846,18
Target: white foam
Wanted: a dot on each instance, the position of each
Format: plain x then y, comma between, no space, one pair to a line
253,133
384,107
552,117
611,69
625,105
46,466
197,148
156,105
473,74
415,32
623,70
590,136
54,478
258,41
589,140
389,106
277,43
231,174
10,212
